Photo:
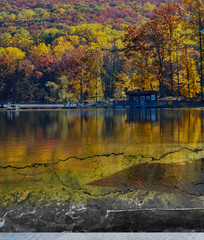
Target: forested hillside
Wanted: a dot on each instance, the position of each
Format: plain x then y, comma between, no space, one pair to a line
54,50
39,14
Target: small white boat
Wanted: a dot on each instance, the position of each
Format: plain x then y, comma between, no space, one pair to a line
12,107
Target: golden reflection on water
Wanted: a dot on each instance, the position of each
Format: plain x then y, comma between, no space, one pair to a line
90,147
185,177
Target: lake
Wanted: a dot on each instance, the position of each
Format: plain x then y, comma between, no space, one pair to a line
76,169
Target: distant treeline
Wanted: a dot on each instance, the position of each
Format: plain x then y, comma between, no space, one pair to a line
47,56
35,15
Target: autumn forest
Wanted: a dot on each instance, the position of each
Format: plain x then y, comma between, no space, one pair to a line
51,51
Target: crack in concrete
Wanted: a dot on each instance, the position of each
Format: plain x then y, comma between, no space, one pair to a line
36,165
105,194
60,179
89,157
85,191
196,150
33,165
116,191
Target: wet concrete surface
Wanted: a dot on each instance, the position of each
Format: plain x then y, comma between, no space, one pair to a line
101,215
156,221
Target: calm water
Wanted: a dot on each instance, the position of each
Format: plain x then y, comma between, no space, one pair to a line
101,152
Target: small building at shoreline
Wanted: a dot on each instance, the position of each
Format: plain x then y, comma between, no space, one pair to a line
142,98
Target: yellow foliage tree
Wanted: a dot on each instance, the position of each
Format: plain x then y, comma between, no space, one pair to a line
60,46
13,54
42,48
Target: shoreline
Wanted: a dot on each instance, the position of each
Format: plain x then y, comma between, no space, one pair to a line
165,102
41,107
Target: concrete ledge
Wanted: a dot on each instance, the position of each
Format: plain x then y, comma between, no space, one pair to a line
156,220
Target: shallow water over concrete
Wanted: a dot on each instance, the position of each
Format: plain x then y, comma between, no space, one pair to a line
88,170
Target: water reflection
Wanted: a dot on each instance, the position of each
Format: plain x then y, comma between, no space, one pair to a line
102,144
142,115
185,177
12,114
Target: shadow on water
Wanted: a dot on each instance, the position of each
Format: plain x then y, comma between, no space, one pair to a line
185,177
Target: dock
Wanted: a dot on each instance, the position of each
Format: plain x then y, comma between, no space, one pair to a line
100,104
54,106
